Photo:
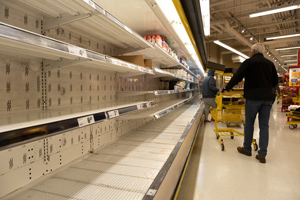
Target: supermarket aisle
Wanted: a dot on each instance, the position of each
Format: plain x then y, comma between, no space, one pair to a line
213,174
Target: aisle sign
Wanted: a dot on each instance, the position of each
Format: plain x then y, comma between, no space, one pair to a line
84,121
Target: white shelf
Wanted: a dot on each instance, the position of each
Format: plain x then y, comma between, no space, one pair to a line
155,92
170,76
165,92
13,126
125,169
85,15
161,58
159,109
55,53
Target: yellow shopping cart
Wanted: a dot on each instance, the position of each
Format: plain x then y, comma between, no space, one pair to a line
229,117
293,118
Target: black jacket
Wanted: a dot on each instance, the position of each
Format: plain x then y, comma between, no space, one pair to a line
260,77
209,89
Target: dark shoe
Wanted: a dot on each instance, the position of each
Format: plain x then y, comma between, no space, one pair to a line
206,121
242,151
212,120
261,159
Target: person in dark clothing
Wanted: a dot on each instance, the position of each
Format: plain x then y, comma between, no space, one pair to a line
260,78
209,92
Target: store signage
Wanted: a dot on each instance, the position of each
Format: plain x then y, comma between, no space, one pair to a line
294,77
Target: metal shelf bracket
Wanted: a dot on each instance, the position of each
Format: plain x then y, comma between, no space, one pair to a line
49,23
50,64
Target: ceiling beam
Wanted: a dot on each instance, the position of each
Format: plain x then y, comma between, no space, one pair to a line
237,6
273,24
212,4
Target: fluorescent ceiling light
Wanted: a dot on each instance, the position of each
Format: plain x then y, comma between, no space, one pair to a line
230,49
269,12
293,64
290,61
283,36
289,55
287,48
205,12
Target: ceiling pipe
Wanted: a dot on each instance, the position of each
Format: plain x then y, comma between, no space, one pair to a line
216,29
232,31
240,50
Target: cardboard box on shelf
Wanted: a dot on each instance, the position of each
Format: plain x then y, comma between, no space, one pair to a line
137,60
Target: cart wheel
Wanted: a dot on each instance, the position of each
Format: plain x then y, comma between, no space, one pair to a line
217,136
222,145
232,136
295,125
255,145
291,126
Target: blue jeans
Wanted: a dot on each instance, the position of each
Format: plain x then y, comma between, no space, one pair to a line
263,108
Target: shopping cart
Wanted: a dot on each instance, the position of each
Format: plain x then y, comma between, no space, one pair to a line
293,118
229,117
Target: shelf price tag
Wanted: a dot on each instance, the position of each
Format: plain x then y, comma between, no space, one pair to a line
113,113
77,51
84,121
140,106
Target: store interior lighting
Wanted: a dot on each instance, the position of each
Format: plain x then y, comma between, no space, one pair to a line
277,10
287,48
173,17
289,55
290,61
230,49
283,36
205,12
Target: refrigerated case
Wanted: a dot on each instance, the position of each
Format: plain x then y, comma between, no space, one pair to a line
79,122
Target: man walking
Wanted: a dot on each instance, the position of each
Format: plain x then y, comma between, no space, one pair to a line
209,92
260,78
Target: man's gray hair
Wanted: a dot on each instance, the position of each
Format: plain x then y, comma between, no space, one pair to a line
258,47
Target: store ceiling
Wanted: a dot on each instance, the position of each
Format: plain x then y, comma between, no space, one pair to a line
236,12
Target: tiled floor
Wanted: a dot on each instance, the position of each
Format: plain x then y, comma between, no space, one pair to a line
213,174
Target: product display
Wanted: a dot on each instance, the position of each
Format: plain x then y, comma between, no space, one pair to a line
290,91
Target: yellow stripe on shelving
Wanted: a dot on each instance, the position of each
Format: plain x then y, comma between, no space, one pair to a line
186,25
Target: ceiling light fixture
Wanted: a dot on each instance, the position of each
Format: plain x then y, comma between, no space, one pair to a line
283,36
269,12
279,49
290,61
205,12
230,49
289,55
251,38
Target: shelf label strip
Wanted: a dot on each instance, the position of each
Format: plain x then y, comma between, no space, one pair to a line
77,51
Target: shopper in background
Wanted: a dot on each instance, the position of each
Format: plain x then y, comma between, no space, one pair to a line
260,78
209,92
